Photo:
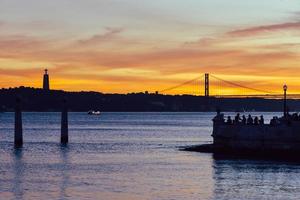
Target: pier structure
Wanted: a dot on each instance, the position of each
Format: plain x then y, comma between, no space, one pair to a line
253,137
64,139
18,141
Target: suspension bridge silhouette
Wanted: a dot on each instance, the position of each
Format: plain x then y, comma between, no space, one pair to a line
210,85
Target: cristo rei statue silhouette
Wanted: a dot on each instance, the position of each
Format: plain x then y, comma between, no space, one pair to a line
46,85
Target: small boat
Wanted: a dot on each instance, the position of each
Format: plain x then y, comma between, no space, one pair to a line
92,112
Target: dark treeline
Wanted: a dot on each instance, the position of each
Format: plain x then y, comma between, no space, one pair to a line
41,100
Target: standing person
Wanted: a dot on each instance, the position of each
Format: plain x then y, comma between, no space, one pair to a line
237,118
261,120
229,120
250,119
256,121
244,120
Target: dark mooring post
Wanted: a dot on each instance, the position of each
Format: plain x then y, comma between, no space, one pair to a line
18,124
64,139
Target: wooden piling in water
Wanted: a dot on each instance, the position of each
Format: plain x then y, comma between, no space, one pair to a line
64,139
18,124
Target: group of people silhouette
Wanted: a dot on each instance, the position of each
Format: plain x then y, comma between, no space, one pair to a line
243,120
288,118
238,119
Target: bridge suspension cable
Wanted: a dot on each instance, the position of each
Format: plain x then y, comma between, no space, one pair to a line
181,84
217,82
242,86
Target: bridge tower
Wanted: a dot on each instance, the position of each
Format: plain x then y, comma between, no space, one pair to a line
285,109
46,85
206,92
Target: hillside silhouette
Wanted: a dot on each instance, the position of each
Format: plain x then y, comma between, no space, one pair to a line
42,100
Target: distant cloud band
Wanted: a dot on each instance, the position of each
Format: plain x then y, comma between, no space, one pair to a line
262,29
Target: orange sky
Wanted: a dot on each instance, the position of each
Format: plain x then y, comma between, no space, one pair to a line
151,46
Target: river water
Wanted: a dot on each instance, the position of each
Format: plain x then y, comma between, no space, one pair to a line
131,156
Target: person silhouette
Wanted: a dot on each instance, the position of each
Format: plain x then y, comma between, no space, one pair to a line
244,120
229,120
256,121
261,120
237,118
250,119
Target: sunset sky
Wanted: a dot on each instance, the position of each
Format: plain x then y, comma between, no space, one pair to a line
136,45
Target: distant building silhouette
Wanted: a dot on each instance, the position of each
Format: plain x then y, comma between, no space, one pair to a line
46,85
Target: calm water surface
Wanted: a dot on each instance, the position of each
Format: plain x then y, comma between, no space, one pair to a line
131,156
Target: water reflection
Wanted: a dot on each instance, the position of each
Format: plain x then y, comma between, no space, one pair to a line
18,167
64,156
240,178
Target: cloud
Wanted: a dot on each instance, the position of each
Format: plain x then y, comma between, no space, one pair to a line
265,29
281,46
28,72
166,61
203,42
17,43
107,66
109,34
